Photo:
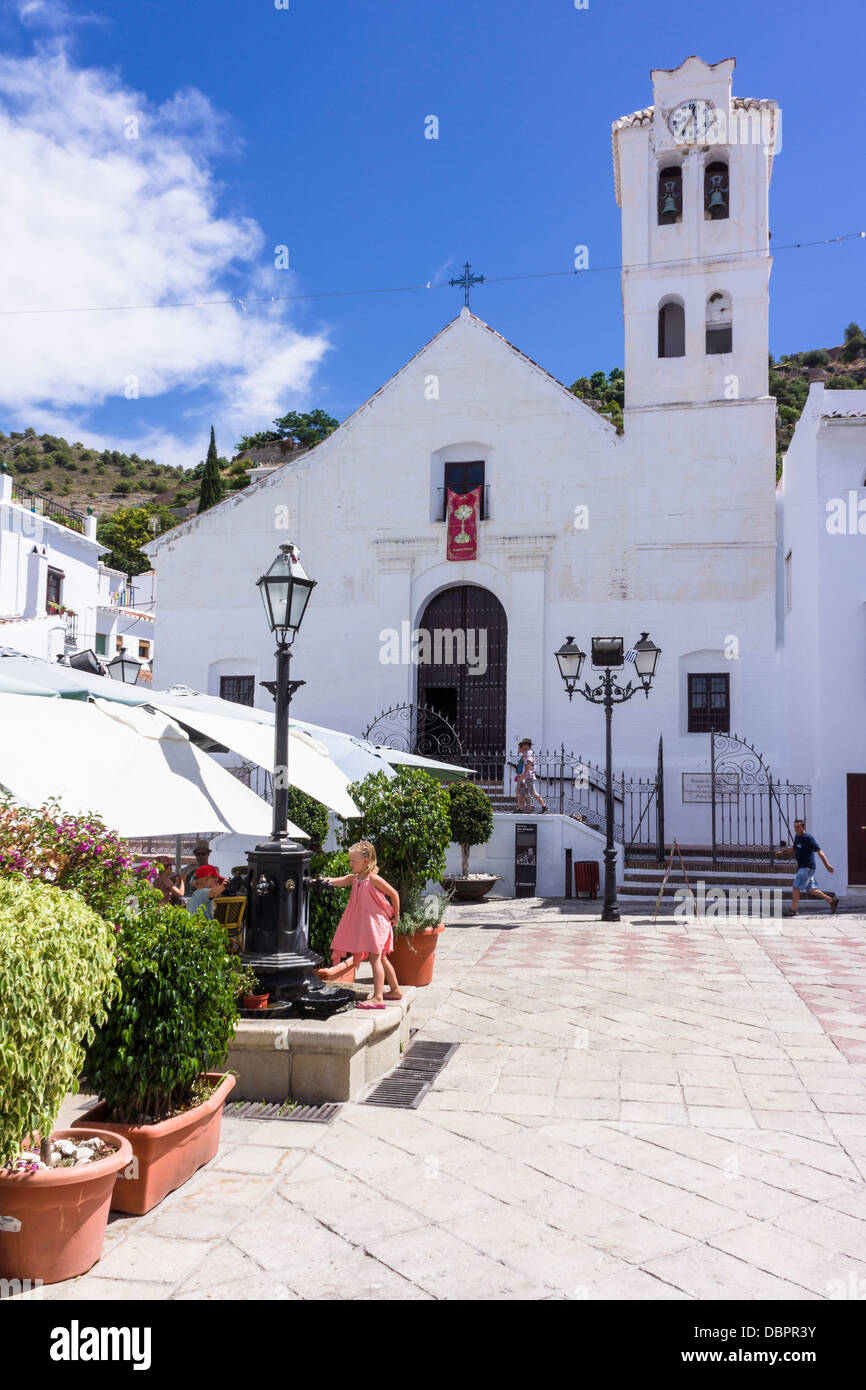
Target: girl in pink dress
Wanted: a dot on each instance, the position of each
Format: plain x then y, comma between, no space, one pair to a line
366,928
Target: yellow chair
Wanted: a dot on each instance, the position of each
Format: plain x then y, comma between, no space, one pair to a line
229,912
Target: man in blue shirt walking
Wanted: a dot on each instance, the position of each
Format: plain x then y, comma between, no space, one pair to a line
804,848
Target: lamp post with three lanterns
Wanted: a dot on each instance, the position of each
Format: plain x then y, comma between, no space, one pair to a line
608,656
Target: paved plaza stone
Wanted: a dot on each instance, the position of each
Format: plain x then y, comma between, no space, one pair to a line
636,1110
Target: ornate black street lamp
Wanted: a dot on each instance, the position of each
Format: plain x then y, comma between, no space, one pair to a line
277,926
124,668
608,655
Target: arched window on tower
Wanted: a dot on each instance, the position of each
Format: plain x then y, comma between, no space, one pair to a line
670,195
719,323
672,328
716,191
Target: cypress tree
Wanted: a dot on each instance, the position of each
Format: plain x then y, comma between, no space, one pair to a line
211,490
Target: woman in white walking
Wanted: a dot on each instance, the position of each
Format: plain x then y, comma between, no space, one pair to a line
525,780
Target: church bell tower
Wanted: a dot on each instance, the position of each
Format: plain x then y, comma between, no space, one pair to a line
692,175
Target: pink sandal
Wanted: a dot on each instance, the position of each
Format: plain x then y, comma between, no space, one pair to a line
369,1006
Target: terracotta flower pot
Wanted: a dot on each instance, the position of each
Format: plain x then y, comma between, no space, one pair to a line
62,1212
412,956
166,1154
254,1001
345,977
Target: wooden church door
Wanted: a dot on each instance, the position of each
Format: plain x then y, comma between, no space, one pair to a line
469,693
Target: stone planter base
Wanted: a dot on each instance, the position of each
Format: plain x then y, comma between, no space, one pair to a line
315,1060
468,890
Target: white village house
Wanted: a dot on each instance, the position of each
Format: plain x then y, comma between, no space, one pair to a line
669,527
56,595
822,619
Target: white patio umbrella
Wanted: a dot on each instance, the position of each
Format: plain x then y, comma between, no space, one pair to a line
354,756
62,680
446,772
309,767
138,771
11,685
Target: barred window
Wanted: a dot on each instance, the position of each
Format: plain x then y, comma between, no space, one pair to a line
239,689
709,704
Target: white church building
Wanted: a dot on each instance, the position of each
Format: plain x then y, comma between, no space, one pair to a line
668,528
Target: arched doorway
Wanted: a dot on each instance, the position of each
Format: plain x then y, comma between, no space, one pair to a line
463,664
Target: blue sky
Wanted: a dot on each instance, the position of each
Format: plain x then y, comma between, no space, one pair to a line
260,127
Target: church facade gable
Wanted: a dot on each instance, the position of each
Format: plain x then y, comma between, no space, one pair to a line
668,528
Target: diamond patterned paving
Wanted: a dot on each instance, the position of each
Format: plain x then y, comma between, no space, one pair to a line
636,1110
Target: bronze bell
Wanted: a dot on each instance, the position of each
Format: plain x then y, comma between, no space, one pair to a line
669,204
717,197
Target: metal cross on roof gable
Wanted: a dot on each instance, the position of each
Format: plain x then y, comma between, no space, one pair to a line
467,280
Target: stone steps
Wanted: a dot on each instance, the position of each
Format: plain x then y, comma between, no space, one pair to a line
718,877
650,890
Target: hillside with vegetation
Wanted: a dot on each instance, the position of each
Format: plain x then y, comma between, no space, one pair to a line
80,477
840,368
137,498
104,480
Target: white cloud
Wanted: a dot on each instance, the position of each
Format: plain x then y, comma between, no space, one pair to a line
91,217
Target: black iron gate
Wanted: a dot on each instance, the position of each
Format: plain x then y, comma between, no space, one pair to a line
752,812
420,728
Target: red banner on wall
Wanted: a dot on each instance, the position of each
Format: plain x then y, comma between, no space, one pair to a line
462,524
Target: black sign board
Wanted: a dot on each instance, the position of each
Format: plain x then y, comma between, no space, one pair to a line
525,858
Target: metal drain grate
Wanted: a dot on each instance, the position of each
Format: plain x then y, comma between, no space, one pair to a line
428,1057
402,1090
411,1079
275,1110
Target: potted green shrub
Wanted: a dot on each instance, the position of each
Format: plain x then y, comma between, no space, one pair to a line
57,977
415,936
471,818
406,818
248,990
155,1060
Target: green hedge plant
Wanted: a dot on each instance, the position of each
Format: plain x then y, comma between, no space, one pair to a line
174,1020
57,978
309,815
471,817
407,820
327,904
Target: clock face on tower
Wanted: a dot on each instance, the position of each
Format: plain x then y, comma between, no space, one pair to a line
691,120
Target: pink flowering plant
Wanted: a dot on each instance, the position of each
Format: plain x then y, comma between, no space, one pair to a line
72,852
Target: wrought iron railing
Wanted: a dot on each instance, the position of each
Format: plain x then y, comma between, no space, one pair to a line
41,505
573,786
